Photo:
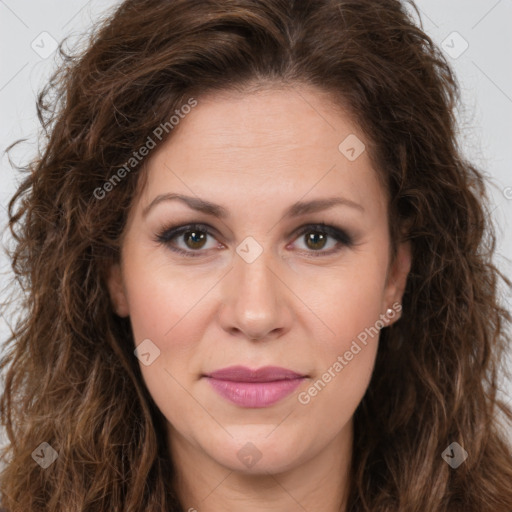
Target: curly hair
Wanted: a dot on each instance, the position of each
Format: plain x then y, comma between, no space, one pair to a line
71,378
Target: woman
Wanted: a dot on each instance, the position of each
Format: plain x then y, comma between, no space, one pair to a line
258,272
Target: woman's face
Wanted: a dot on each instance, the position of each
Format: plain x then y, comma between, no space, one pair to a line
257,283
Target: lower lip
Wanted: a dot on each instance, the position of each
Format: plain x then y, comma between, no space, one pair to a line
254,394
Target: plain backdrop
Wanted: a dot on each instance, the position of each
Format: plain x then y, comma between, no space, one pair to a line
474,34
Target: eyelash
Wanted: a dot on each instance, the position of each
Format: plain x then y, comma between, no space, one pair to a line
170,233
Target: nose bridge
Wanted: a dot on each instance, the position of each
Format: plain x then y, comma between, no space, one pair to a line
252,302
254,279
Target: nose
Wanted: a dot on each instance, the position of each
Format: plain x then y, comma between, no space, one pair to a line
255,300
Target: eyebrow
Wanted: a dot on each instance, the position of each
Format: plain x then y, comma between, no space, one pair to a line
215,210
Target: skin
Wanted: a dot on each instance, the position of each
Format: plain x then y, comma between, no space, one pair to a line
256,154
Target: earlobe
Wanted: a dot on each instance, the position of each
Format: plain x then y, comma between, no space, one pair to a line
117,291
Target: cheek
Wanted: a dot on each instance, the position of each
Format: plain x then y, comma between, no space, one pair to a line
346,299
164,309
151,311
168,306
345,357
160,297
350,308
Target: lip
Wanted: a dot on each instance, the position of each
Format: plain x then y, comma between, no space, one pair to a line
263,374
254,388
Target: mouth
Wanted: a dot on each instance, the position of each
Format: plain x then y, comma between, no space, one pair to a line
254,388
264,374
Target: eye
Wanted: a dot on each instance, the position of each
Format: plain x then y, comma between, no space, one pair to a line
315,237
194,238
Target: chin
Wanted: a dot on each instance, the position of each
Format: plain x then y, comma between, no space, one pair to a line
253,451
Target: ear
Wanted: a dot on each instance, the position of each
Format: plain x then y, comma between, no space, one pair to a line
397,275
117,291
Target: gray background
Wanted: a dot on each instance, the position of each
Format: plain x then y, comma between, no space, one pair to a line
29,29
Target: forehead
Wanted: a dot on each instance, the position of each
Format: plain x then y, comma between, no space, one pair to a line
299,119
283,143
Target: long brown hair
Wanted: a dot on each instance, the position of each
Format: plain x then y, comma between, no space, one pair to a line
71,378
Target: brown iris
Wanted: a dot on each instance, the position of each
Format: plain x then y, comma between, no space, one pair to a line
315,238
197,238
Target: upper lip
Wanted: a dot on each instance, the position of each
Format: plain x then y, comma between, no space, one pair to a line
263,374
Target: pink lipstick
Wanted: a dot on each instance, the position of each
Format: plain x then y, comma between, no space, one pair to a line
254,388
